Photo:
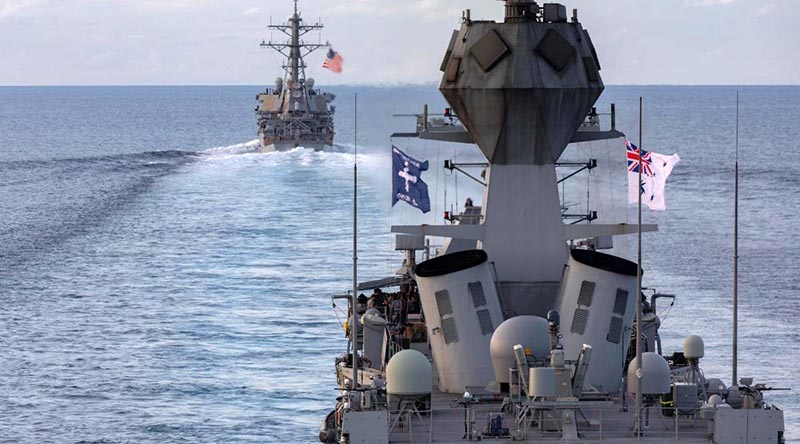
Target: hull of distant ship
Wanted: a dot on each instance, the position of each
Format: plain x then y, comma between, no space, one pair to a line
269,146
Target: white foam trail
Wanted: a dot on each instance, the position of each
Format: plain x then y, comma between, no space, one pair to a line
238,148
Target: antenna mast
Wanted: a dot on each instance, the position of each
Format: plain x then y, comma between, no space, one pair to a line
354,324
294,49
735,357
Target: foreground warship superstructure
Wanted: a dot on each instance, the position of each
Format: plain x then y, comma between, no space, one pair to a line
526,332
293,113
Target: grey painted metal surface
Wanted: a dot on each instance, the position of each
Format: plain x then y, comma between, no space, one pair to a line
524,89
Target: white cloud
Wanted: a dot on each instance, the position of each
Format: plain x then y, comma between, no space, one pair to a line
708,2
9,8
252,11
426,10
765,10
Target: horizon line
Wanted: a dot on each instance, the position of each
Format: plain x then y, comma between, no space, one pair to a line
353,85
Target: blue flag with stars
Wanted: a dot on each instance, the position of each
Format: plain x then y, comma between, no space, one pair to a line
407,183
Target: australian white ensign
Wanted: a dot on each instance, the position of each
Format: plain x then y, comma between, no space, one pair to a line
407,183
656,168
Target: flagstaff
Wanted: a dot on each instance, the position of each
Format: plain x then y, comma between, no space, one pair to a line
735,351
638,296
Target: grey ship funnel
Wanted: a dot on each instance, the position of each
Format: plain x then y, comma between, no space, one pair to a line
523,87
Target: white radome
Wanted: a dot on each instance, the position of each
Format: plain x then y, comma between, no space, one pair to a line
528,331
693,347
409,373
655,374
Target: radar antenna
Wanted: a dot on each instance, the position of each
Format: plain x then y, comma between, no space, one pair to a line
295,49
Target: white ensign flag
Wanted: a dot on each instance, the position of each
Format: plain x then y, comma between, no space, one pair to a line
656,168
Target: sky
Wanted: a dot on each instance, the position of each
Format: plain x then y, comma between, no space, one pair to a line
216,42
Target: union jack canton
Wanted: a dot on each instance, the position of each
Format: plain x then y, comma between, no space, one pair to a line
633,160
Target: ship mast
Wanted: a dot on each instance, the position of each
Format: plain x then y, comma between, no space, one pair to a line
295,49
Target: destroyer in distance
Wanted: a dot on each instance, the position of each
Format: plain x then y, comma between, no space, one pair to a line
293,113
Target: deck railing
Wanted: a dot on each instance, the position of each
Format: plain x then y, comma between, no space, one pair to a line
609,424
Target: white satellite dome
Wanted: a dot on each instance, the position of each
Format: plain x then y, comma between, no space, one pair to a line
409,373
310,83
655,374
693,347
528,331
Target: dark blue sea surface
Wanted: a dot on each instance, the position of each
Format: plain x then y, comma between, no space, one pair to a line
163,282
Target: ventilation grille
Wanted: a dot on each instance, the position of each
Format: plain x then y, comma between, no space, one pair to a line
485,319
443,303
615,330
620,302
476,291
449,330
586,294
579,321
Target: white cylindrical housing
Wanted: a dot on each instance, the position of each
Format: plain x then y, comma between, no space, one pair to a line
557,359
528,331
373,331
409,373
655,374
693,347
461,306
597,304
542,382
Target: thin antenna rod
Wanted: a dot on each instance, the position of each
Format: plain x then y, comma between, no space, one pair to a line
638,295
354,303
735,357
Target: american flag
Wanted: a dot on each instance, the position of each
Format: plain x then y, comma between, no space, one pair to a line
333,61
633,160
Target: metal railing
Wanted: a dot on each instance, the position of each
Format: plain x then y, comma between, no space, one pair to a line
609,424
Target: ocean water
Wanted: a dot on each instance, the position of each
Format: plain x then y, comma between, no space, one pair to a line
162,282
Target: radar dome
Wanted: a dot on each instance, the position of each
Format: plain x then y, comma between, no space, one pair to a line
529,331
693,347
278,83
409,373
310,83
716,386
655,374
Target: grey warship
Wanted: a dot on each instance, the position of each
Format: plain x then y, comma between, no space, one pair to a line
292,113
521,328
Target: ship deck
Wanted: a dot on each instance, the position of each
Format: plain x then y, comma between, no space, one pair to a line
449,420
